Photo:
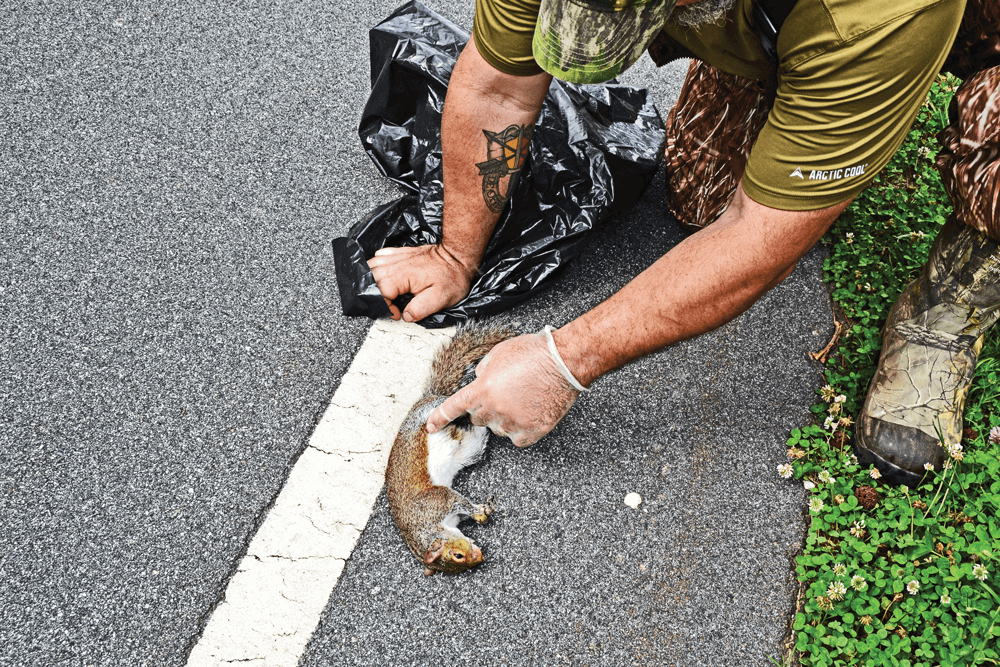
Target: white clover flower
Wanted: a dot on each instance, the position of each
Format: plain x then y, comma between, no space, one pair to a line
815,504
924,151
946,465
929,467
858,583
840,569
869,288
786,470
840,399
836,590
875,474
857,531
831,423
854,459
945,599
979,571
825,477
849,238
913,587
995,435
827,393
955,451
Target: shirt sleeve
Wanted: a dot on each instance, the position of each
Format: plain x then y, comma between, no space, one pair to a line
503,30
844,107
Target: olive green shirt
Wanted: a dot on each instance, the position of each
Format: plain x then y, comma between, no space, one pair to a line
851,76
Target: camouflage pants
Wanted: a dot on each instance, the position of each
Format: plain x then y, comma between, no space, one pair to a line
718,116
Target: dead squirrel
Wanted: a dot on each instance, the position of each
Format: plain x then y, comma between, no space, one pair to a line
421,467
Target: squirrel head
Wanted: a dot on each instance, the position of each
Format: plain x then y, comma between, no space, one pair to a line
452,554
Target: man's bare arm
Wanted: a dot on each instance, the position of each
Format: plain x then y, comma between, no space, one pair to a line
705,281
702,283
484,111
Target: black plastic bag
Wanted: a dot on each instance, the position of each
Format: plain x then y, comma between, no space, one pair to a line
594,150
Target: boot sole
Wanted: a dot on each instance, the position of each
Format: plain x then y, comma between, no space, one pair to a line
891,473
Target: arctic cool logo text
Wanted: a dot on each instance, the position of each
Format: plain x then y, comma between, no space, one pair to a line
831,175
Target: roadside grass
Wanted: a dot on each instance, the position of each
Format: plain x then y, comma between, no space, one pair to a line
913,581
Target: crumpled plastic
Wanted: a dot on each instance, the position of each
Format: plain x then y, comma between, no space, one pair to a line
593,152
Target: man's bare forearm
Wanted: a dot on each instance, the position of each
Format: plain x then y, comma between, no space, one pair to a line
488,120
702,283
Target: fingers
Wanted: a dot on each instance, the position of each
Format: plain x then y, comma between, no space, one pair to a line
385,260
525,439
393,310
434,280
481,366
449,411
406,250
423,304
389,282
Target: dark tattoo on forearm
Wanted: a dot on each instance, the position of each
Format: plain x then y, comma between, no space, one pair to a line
506,153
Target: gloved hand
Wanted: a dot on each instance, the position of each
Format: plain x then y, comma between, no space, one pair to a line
522,389
434,277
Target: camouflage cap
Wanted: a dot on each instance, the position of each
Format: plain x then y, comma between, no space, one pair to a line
592,41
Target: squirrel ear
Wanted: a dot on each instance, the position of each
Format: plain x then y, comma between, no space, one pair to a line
435,550
429,572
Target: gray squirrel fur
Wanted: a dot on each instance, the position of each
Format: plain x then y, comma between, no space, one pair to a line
421,467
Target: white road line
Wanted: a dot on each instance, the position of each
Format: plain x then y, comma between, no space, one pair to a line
275,599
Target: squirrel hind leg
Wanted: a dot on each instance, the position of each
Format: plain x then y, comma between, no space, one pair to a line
482,513
462,507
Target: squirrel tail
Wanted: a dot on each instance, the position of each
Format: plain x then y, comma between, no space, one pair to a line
455,364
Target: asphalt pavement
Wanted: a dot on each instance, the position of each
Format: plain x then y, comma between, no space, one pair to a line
170,334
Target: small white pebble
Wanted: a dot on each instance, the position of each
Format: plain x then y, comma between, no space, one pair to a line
808,484
633,500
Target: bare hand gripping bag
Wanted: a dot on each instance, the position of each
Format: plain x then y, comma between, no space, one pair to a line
594,151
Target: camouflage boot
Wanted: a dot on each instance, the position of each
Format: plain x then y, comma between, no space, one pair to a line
931,341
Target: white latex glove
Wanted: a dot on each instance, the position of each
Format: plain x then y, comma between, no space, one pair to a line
522,389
